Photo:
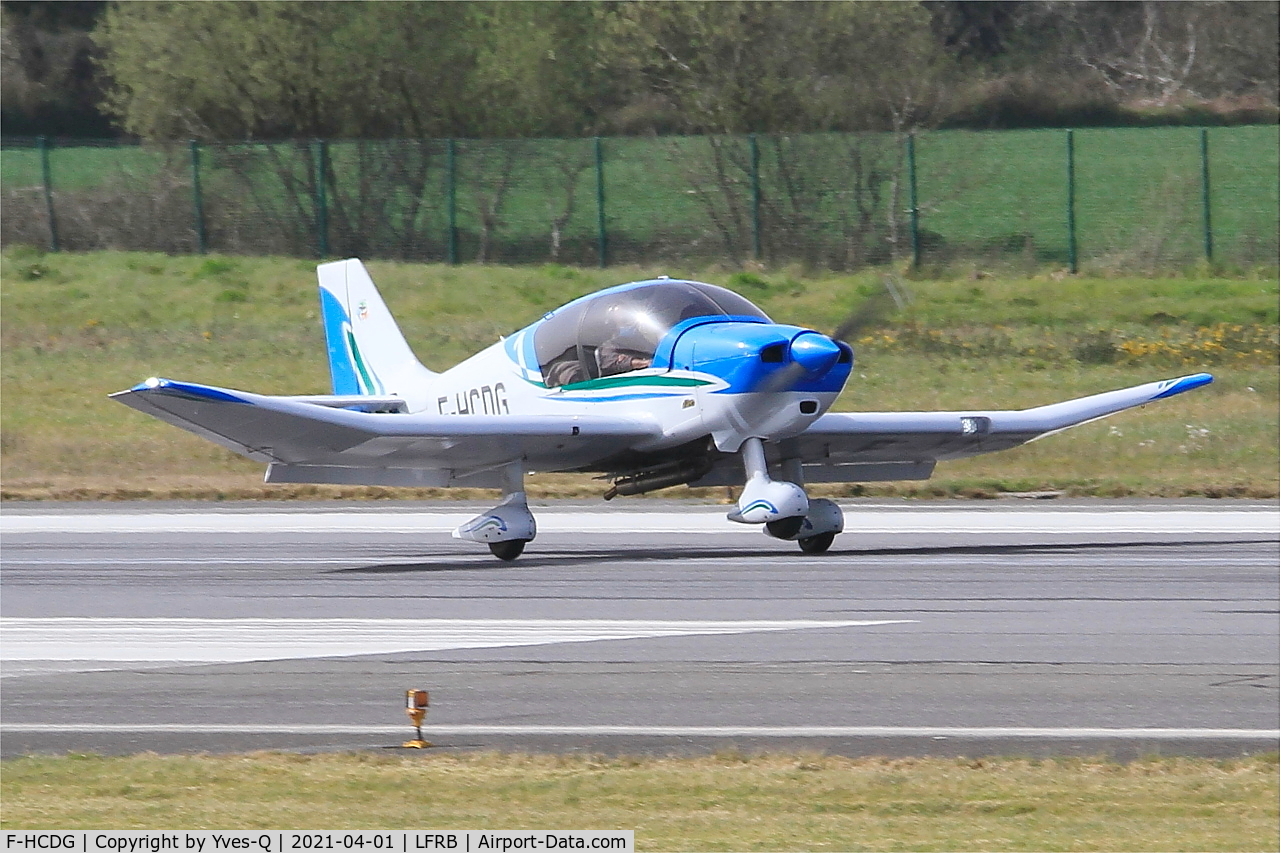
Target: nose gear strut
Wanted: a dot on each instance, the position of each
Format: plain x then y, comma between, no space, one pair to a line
766,501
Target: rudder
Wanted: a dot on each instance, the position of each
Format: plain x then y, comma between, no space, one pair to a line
368,355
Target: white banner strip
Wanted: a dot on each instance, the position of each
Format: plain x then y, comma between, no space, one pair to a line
308,840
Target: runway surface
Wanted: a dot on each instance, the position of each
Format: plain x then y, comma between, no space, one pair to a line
1007,627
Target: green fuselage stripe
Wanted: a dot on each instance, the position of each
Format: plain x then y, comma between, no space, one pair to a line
637,382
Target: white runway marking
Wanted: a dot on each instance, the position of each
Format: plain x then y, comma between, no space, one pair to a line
239,640
681,558
694,520
935,732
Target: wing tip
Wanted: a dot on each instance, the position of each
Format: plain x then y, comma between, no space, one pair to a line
156,384
1183,383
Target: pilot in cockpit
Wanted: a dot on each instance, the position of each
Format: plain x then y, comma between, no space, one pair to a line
619,332
623,353
631,343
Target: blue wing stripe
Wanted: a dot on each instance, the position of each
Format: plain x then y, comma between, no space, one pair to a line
188,389
1187,383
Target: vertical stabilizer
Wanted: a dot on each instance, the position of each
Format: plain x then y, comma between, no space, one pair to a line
367,352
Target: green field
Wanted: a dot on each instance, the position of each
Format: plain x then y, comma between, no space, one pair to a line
77,327
824,199
730,801
78,167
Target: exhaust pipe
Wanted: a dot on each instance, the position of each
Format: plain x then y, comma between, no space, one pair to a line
672,474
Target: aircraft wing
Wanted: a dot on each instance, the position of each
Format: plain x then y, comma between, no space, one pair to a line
313,440
851,447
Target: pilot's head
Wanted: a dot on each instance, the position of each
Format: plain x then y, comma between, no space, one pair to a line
632,327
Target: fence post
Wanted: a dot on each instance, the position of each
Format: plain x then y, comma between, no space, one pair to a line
914,209
319,151
602,236
1071,201
47,176
197,198
756,196
1205,195
451,199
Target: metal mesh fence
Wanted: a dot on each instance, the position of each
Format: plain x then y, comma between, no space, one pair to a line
1108,198
1139,197
984,195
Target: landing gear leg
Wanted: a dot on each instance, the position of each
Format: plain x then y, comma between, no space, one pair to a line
778,504
507,527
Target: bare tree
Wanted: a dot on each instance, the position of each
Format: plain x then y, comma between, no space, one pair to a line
1164,53
493,166
569,162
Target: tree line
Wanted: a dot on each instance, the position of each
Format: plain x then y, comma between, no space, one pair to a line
291,70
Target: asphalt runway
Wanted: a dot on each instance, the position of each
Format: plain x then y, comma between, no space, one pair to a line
1004,627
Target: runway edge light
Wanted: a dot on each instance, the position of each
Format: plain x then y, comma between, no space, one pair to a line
416,709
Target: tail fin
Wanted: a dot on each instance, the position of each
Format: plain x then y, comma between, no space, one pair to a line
367,353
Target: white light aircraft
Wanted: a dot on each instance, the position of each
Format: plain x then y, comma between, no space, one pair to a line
650,384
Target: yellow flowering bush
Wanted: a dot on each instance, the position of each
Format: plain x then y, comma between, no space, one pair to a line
1222,343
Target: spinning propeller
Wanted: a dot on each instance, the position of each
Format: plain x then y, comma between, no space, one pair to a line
873,310
814,354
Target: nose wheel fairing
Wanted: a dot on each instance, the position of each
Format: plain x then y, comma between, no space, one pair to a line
765,500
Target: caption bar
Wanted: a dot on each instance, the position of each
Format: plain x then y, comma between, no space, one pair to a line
298,841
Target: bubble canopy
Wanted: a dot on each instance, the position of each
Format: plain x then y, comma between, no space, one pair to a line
619,329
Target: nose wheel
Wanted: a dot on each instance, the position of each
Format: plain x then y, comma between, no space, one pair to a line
816,544
786,528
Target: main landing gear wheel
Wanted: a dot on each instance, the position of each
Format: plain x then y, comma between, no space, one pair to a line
816,544
785,528
509,550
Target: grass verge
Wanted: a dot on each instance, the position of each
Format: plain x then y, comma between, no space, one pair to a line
729,801
78,327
